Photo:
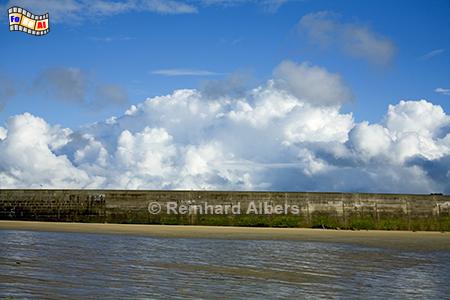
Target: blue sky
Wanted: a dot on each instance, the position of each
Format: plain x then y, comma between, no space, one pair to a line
228,94
123,49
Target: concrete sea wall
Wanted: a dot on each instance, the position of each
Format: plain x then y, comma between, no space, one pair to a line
322,210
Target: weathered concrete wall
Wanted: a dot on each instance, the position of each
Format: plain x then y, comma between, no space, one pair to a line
328,210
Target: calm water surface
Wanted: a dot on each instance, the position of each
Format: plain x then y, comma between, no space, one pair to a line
95,266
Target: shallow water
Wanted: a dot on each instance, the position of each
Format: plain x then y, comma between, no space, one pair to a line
105,266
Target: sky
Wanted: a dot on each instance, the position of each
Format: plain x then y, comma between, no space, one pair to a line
228,94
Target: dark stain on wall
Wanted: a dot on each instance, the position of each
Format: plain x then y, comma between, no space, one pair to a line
316,210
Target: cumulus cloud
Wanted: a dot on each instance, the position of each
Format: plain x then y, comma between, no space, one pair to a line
326,29
437,169
419,117
271,137
234,85
370,140
3,133
28,153
312,84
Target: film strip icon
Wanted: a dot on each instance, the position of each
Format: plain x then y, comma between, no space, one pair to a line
22,20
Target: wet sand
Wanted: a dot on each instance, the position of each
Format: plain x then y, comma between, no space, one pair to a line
406,240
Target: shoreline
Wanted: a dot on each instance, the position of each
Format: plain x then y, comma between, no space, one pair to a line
407,240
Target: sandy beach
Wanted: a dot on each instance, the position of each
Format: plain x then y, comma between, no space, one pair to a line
387,239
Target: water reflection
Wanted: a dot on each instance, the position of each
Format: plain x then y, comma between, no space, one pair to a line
89,266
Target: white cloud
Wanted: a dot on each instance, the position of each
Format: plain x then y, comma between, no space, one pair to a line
148,152
66,11
3,133
272,137
167,6
370,140
326,29
432,54
270,6
312,84
59,10
443,91
317,125
28,156
419,117
78,11
110,39
184,72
